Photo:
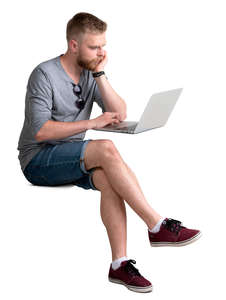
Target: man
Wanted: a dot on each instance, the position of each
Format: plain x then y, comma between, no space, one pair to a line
59,100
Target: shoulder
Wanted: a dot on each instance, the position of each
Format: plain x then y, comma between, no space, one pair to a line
48,65
43,71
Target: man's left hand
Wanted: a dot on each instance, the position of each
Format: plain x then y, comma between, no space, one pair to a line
100,66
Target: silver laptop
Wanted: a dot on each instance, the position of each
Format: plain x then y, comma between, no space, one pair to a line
155,114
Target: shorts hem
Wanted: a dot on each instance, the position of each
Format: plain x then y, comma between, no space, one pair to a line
82,164
91,181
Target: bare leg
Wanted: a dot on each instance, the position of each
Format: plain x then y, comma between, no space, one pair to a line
113,214
103,153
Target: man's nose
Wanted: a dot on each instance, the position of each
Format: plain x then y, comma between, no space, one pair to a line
100,52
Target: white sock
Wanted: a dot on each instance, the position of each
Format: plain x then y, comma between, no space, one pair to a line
156,228
116,263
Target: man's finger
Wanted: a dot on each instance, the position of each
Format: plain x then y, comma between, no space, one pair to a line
116,114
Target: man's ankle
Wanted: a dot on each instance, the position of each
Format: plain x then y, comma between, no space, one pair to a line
154,222
157,226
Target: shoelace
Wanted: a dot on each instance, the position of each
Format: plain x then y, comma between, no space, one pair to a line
131,269
173,225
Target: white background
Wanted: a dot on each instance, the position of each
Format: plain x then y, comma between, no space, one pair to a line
53,244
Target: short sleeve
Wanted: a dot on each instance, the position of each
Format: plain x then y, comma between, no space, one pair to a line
98,99
39,100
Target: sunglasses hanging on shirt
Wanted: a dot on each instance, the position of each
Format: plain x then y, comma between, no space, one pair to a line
80,103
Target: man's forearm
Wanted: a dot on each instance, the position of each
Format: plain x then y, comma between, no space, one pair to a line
54,130
112,101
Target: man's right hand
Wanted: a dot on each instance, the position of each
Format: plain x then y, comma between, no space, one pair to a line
106,119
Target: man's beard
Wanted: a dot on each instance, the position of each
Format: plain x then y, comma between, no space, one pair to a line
88,64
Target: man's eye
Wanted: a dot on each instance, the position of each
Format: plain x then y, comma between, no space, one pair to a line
97,47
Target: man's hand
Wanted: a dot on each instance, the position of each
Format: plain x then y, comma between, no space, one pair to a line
106,119
100,66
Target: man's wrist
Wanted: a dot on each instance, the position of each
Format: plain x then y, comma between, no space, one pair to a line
91,124
98,73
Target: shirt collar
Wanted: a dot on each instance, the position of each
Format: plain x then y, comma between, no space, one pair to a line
66,77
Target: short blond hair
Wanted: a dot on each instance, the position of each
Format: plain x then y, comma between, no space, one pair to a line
82,23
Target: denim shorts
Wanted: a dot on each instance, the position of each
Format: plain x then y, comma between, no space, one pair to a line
60,164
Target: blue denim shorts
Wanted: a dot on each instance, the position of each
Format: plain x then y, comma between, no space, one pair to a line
60,164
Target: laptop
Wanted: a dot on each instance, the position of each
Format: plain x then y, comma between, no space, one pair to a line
155,114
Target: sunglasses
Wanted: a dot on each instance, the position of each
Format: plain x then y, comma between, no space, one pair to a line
80,103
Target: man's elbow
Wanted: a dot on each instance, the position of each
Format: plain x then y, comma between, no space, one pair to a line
41,135
38,137
124,114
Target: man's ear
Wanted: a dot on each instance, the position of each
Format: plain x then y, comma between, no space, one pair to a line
73,44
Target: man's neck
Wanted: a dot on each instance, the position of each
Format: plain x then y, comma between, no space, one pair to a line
70,66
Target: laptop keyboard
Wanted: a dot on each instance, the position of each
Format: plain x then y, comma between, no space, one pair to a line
126,128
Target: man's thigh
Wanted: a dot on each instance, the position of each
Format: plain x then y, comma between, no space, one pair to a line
60,164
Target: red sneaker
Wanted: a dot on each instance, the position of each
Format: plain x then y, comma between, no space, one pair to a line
172,233
129,276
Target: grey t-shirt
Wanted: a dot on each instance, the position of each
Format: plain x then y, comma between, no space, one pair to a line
50,96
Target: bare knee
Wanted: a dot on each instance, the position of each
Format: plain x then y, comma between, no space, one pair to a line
98,152
108,150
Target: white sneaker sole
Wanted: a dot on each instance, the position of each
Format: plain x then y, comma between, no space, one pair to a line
177,244
133,288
